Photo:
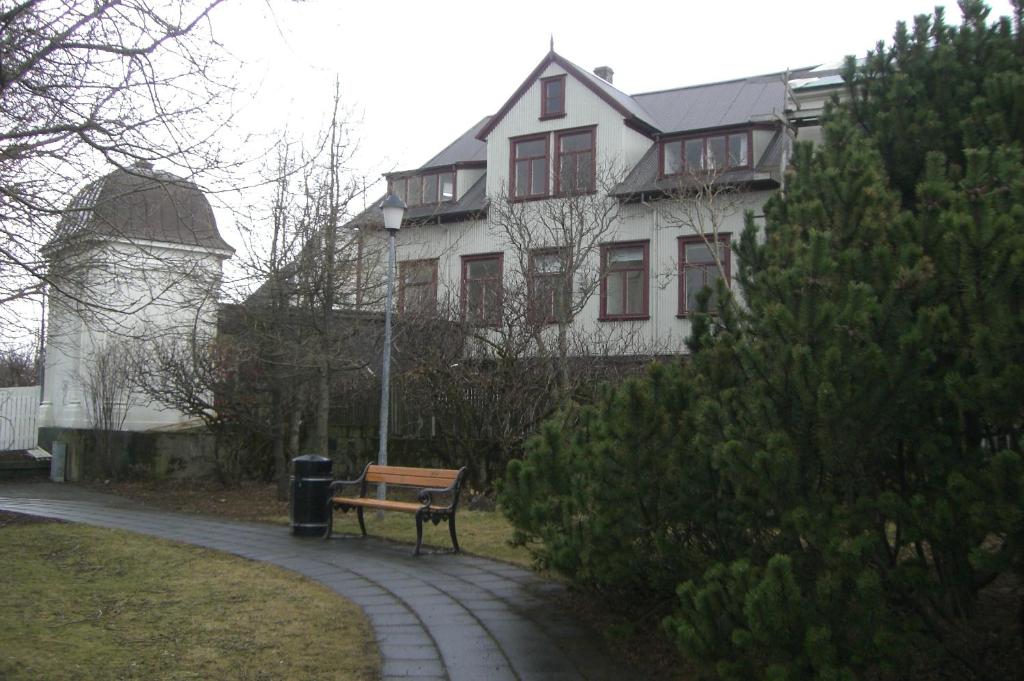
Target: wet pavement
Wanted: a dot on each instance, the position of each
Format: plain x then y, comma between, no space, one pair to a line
436,616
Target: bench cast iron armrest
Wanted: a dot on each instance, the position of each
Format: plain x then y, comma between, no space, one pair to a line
360,481
426,496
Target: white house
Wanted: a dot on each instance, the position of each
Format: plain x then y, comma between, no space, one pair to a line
138,259
567,133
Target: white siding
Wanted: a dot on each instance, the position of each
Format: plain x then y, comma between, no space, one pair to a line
154,291
617,146
18,408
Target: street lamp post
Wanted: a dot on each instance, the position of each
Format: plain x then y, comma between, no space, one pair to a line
393,208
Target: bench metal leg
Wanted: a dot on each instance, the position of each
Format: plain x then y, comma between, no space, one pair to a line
451,531
419,532
330,520
359,514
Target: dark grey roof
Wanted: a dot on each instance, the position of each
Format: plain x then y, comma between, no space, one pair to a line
466,148
645,178
631,104
139,203
734,102
473,201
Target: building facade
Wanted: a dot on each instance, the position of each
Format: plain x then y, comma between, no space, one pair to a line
138,262
577,202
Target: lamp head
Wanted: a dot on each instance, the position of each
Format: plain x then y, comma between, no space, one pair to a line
393,208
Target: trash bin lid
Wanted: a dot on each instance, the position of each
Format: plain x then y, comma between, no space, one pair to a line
311,464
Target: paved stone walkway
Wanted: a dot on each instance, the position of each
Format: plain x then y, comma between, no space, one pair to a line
442,616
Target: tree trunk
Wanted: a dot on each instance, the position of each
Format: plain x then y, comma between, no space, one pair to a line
277,447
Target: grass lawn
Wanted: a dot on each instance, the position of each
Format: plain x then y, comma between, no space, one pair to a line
482,533
79,602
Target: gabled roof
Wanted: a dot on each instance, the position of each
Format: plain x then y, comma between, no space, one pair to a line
732,102
464,149
633,113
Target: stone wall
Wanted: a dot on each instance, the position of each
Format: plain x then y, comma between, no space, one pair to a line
95,455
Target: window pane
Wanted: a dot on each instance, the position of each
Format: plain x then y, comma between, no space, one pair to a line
698,252
547,263
447,187
634,292
711,275
522,178
474,300
631,256
585,171
716,152
673,163
415,191
417,272
614,291
694,154
694,284
738,150
477,269
530,148
430,189
490,298
553,97
575,142
567,175
539,183
398,188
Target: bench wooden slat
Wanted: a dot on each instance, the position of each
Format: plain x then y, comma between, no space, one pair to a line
382,504
408,480
402,476
413,477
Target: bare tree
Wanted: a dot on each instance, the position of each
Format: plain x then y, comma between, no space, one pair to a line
107,381
82,83
215,380
295,338
555,266
18,367
495,365
700,204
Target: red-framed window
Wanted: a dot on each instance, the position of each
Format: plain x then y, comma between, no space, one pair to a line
575,171
425,189
552,97
417,286
625,282
529,167
725,151
549,289
698,269
482,288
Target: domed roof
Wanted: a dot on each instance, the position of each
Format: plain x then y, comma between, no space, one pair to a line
140,203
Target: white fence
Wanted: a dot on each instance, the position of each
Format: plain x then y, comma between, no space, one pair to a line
18,407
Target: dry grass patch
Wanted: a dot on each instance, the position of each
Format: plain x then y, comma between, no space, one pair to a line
482,533
78,602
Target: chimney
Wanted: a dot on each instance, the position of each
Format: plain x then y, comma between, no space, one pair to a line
604,72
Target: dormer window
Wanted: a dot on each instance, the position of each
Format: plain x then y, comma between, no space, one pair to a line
425,189
706,153
552,97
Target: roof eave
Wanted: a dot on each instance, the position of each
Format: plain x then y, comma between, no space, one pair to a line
554,57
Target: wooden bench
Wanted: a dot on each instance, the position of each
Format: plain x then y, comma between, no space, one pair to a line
432,483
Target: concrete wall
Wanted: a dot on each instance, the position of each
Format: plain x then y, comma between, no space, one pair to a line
133,455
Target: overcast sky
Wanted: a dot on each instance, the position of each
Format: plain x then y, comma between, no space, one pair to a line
418,74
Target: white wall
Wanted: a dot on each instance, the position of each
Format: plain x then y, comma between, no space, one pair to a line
155,291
